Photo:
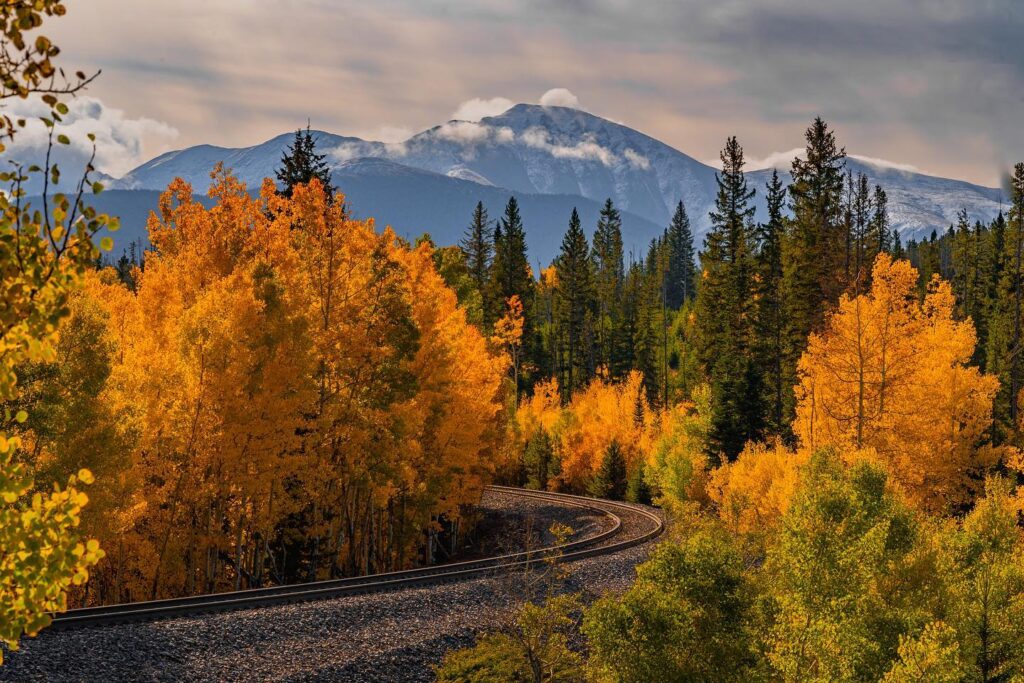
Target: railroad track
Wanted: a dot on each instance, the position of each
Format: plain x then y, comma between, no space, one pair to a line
603,543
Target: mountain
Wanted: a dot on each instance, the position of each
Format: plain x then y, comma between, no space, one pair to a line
551,157
412,201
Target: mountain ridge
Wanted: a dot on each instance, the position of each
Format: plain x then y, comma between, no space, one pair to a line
559,152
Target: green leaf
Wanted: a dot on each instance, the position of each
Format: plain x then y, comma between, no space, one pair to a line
63,139
106,244
20,417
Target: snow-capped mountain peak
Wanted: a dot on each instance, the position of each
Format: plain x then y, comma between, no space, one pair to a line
565,152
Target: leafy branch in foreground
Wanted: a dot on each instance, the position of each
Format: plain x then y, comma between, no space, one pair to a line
44,253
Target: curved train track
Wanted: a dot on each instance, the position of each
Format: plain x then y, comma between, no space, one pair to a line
612,540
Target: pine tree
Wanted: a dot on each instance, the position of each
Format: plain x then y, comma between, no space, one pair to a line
647,318
301,163
928,260
814,248
609,277
538,460
638,490
979,308
864,243
640,306
770,308
964,263
574,307
1015,231
898,252
510,268
724,311
819,233
878,228
510,275
1005,334
610,479
680,287
477,246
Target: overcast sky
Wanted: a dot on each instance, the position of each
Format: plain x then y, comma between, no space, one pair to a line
936,84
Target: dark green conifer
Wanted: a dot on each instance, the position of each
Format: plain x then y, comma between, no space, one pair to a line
574,307
681,268
725,312
610,479
638,490
815,246
301,163
538,460
609,276
478,246
770,309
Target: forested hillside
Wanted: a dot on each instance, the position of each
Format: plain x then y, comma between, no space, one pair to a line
275,391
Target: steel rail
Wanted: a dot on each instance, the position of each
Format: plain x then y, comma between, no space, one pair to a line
374,583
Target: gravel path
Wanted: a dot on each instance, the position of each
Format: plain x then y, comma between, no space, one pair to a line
380,637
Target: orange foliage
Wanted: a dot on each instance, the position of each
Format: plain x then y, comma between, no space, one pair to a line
891,374
600,414
284,372
754,492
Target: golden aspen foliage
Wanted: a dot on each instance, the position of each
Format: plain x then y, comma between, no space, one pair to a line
541,410
45,249
678,467
890,374
756,490
296,395
508,334
597,416
452,415
209,378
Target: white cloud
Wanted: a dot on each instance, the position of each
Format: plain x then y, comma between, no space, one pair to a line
477,108
884,163
122,143
469,133
636,159
780,160
348,150
504,134
587,149
559,97
536,137
464,131
783,161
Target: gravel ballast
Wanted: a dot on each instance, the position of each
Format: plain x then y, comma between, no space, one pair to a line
394,636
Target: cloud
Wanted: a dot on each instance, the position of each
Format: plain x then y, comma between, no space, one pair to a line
347,151
122,142
464,132
934,84
885,163
783,161
587,149
559,97
478,108
780,160
636,159
469,133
